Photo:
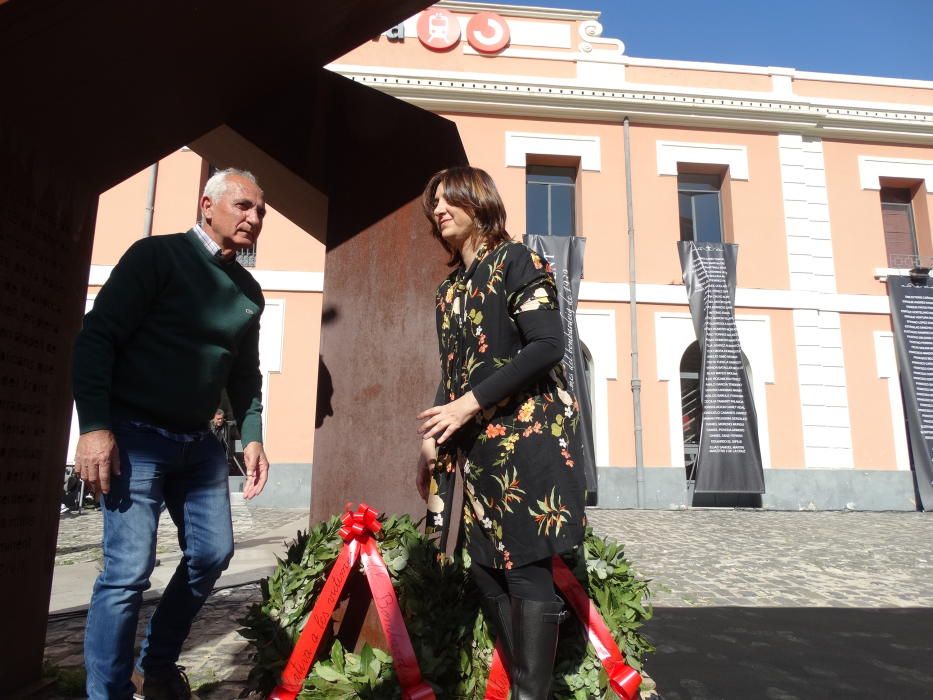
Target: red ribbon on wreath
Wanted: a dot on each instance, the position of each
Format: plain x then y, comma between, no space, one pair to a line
623,679
358,528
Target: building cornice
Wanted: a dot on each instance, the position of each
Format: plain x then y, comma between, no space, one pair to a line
522,96
877,81
522,11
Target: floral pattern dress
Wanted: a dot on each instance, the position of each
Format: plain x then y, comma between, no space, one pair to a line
524,493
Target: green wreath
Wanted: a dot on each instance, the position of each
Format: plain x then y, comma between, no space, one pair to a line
442,613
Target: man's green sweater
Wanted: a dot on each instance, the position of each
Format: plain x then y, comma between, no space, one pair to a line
170,329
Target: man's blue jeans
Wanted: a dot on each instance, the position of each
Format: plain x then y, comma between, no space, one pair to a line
188,472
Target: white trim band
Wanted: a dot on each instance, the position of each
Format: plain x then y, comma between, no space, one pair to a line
744,297
269,280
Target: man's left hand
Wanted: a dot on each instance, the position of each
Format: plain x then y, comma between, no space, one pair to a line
257,470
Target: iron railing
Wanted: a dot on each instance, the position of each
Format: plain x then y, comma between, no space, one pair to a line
247,256
900,261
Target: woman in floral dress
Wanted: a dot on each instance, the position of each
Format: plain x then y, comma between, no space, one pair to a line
503,411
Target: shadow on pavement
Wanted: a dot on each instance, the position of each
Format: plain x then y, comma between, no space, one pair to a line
791,653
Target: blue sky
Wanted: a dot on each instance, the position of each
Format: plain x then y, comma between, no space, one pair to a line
892,38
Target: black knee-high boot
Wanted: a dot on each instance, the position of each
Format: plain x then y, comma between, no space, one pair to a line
534,625
498,612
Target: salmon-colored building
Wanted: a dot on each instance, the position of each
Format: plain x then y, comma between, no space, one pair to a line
823,181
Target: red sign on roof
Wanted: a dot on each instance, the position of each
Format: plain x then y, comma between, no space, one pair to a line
487,32
438,29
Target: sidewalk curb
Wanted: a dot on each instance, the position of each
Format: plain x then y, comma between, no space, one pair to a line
253,559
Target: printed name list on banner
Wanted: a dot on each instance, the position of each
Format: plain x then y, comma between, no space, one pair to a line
729,459
565,255
912,317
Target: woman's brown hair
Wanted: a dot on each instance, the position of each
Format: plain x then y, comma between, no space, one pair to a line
472,190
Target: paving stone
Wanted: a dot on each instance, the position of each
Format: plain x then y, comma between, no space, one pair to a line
79,536
695,558
818,559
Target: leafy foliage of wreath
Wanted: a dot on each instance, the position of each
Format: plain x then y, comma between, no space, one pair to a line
441,610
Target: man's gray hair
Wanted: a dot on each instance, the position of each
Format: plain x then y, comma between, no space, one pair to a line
216,185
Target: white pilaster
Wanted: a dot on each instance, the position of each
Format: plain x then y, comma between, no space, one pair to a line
827,433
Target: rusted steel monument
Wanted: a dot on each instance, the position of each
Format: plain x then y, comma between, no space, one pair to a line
94,92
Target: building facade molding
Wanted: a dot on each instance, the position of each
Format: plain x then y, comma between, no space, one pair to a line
670,153
590,32
872,168
745,297
524,96
518,145
782,71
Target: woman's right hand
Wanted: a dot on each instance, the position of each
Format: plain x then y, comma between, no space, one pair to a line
427,456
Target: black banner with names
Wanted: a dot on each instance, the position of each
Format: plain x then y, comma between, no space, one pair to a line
565,255
912,317
729,459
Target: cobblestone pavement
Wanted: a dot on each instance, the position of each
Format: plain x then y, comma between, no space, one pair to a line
79,536
216,658
695,559
702,558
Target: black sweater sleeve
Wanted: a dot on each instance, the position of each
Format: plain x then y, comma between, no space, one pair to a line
543,337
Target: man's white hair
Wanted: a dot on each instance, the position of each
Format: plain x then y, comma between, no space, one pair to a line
217,184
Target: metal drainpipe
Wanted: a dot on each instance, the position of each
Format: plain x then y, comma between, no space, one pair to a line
150,199
633,315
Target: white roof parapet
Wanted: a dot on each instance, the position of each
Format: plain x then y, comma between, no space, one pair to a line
779,70
600,89
520,10
591,31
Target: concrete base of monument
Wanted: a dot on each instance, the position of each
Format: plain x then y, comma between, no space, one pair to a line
289,486
785,489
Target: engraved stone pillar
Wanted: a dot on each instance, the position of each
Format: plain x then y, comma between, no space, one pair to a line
45,239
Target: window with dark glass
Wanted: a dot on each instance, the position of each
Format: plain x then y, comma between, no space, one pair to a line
550,192
700,203
900,234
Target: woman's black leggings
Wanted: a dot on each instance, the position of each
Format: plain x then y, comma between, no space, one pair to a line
533,581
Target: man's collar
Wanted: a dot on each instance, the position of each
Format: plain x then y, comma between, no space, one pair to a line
208,242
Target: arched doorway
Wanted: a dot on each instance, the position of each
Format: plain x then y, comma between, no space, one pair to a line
692,425
589,370
691,410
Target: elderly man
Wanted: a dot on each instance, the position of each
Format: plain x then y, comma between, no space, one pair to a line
176,323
